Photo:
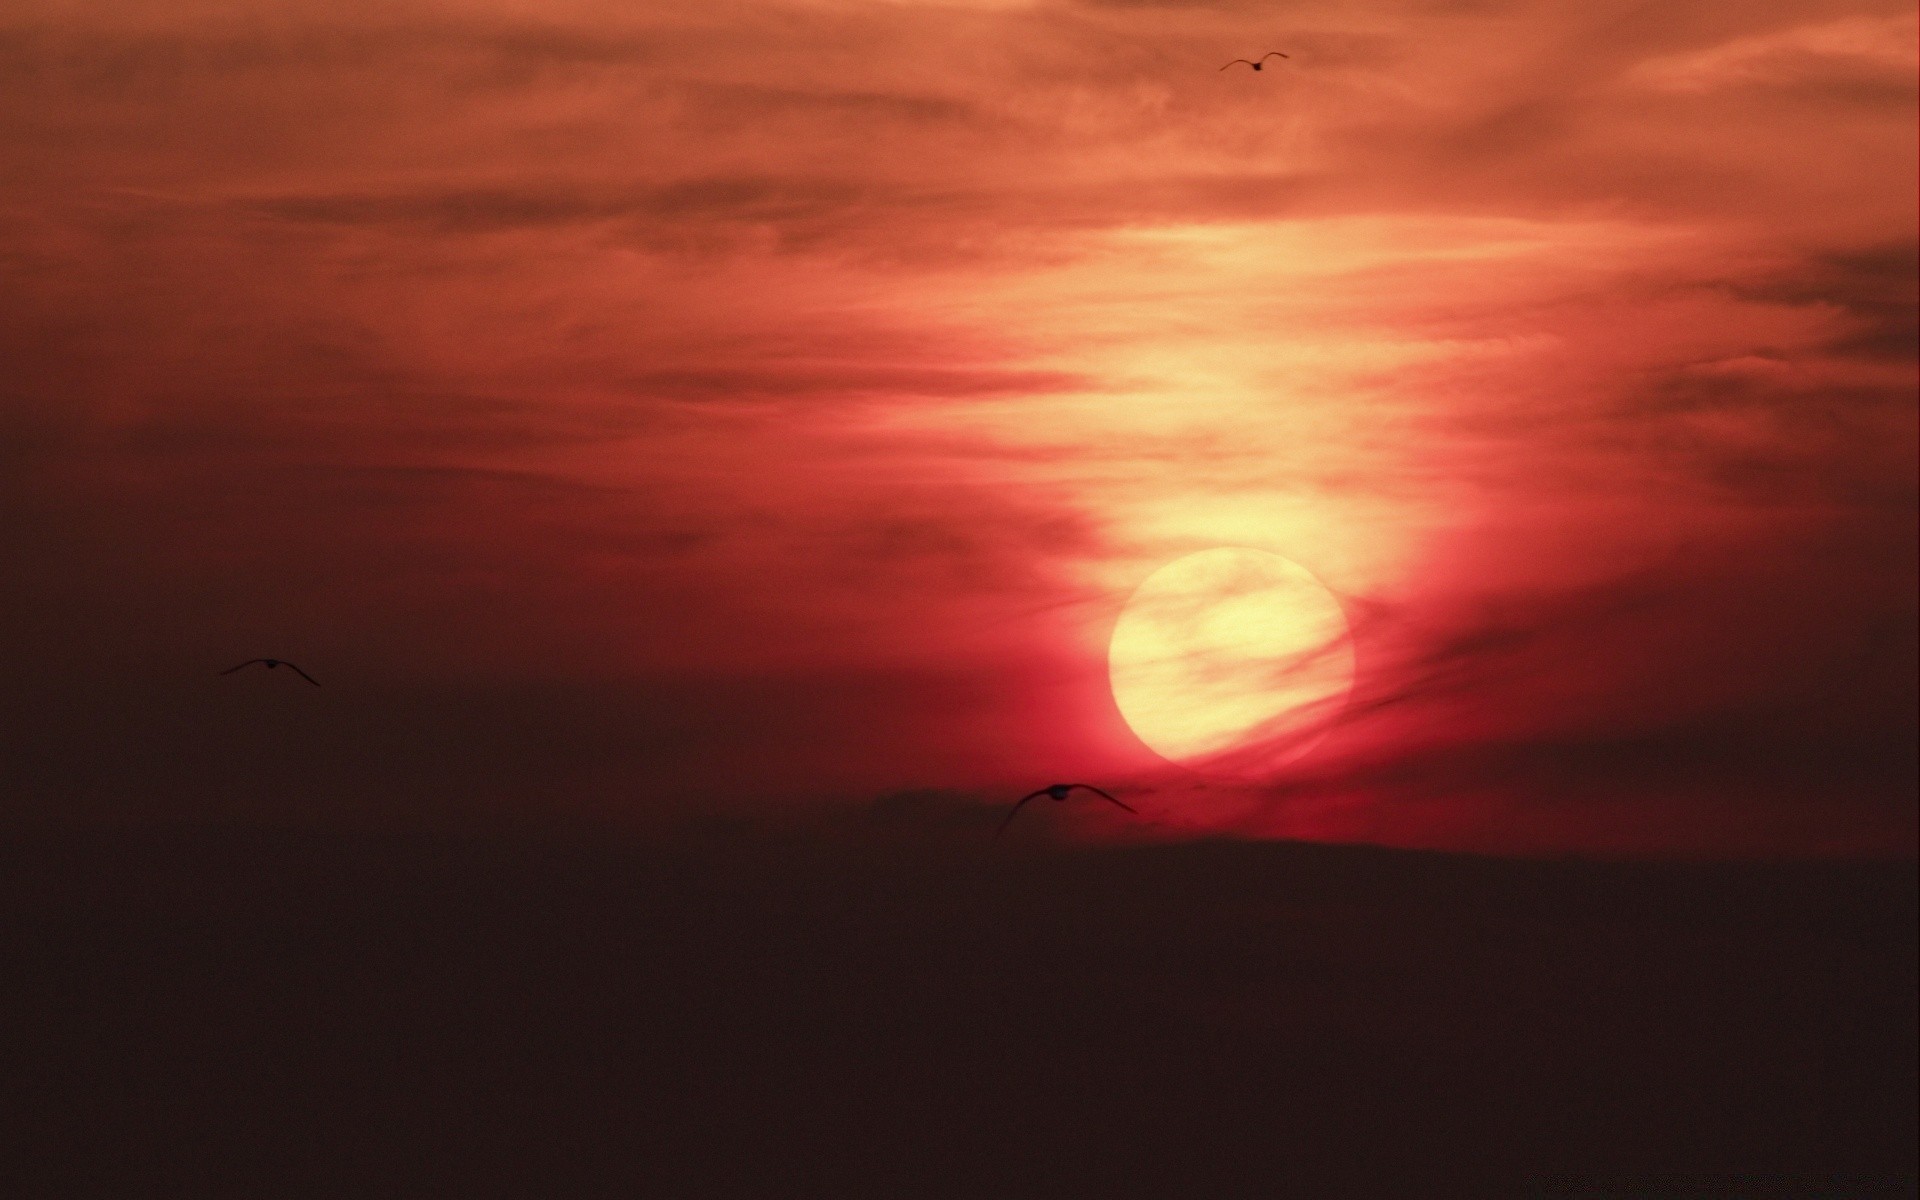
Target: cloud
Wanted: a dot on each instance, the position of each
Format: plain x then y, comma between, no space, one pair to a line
1867,56
734,346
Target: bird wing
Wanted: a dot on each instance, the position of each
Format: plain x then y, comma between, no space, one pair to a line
1096,791
302,674
1247,61
1022,803
248,663
1272,53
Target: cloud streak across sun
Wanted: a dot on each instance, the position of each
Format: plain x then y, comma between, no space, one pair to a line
768,403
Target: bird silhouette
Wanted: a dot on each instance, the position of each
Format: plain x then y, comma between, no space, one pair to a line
1057,792
1256,65
271,663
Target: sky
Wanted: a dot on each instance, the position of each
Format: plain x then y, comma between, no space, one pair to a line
763,411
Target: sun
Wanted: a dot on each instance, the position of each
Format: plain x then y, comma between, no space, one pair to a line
1232,660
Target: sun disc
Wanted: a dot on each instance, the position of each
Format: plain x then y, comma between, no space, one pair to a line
1232,660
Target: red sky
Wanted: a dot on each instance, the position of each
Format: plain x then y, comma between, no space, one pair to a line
649,410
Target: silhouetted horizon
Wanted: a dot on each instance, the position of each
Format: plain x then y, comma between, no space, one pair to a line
249,1012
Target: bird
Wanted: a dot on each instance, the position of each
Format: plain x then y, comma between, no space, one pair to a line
1057,792
271,663
1256,65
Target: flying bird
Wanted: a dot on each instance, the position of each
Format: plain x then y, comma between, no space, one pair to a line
1256,65
1057,792
271,663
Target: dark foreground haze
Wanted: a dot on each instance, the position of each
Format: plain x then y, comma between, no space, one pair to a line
207,1011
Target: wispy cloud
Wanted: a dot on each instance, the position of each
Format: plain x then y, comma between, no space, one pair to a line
743,341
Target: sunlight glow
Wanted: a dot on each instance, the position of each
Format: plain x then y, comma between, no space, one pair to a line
1231,659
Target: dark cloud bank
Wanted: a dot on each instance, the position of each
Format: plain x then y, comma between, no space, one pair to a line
214,1012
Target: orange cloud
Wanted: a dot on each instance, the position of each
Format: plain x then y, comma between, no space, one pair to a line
727,350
